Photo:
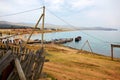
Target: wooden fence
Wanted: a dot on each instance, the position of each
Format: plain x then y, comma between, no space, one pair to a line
28,61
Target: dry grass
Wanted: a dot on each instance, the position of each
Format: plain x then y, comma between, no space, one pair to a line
71,64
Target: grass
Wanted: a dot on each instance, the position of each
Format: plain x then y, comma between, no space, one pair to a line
70,64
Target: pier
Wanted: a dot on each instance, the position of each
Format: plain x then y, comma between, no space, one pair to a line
55,41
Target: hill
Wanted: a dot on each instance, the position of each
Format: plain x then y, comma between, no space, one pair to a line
10,25
7,25
70,64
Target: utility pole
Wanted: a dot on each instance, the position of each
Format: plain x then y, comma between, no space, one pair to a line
42,38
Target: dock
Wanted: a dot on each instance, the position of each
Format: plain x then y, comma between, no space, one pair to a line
55,41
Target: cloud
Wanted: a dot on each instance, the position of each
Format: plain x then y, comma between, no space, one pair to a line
18,5
81,4
55,5
4,7
14,6
78,12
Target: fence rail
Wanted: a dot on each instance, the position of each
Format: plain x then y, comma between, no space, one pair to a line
30,62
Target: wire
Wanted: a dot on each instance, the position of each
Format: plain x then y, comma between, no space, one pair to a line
81,31
12,14
59,18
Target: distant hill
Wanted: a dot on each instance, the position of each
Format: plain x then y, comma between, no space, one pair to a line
6,25
99,28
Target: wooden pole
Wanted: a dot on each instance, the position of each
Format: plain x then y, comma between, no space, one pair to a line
111,52
89,46
33,29
42,40
87,42
19,69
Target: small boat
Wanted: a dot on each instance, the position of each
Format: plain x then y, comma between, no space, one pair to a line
77,38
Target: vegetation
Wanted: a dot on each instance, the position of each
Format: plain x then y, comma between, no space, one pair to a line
71,64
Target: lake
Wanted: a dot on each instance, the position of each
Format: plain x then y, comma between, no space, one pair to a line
99,40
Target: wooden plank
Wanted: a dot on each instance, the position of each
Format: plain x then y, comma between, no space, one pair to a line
8,69
11,75
19,69
112,46
24,61
111,52
28,63
30,69
39,67
5,60
115,45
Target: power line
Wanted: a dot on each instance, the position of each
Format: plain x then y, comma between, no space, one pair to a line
12,14
59,18
74,26
81,31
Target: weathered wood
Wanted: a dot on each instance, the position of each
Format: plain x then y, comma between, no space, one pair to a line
112,46
41,66
30,69
8,69
6,65
19,69
5,60
24,61
28,62
111,52
115,45
11,75
87,42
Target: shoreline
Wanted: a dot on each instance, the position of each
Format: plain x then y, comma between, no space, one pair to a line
66,63
77,51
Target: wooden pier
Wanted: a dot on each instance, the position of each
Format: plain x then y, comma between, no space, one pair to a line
55,41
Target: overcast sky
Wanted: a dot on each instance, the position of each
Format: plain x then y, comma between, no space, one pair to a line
76,12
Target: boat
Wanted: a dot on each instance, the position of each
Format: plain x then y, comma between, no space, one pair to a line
77,38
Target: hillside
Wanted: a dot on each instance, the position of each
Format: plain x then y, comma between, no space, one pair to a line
10,25
70,64
7,25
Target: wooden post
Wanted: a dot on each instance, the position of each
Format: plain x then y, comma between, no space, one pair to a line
42,39
19,69
89,46
111,52
112,46
87,42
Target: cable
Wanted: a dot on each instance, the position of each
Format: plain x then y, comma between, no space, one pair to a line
59,18
81,31
12,14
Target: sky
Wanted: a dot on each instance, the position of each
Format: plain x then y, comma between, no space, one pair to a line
85,13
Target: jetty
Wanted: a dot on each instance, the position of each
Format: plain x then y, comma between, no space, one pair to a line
55,41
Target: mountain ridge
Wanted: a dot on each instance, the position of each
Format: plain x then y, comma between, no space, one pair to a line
6,24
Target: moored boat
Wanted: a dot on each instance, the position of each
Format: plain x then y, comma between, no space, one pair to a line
77,38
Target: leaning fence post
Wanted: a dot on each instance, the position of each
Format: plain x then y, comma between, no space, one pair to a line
19,70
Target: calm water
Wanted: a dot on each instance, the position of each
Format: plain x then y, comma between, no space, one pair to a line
99,40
